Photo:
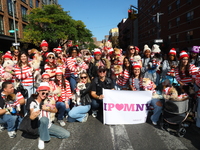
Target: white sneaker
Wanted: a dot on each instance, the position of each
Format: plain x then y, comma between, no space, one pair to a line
85,118
61,122
12,134
2,127
40,144
94,113
154,123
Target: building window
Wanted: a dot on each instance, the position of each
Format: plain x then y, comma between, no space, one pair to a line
169,39
11,26
189,1
153,7
44,1
0,5
31,3
177,38
24,13
169,9
189,35
178,4
37,3
1,25
190,16
169,25
23,1
177,21
159,1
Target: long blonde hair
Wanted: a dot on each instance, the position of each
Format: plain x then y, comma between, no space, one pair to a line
88,78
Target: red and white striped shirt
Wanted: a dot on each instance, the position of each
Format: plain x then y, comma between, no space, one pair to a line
24,74
172,71
66,93
48,69
71,67
122,80
132,82
19,97
192,72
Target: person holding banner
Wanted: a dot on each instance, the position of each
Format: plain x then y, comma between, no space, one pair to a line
98,84
136,85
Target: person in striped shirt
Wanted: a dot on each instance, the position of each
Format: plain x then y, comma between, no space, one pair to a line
42,112
122,81
135,83
185,72
168,67
71,69
24,73
12,121
62,100
50,66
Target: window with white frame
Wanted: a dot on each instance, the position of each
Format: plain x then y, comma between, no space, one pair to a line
1,25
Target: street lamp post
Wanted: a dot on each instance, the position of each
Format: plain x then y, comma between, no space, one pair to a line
13,10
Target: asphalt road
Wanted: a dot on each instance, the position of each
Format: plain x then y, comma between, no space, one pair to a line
93,135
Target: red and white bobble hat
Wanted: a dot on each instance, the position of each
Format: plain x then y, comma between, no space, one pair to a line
137,49
110,51
45,74
59,49
43,86
50,53
7,55
183,54
172,51
58,71
97,51
136,65
44,43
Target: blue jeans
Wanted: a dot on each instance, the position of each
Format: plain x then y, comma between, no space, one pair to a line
78,113
72,81
62,110
157,110
96,104
31,90
198,113
54,130
11,121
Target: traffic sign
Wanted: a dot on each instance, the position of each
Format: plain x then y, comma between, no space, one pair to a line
15,44
158,41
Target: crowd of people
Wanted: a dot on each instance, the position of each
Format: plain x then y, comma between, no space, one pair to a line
68,84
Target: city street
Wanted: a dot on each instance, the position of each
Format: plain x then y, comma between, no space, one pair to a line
93,135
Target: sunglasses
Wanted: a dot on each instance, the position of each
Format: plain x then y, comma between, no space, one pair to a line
84,77
16,52
45,78
52,57
131,48
43,93
100,71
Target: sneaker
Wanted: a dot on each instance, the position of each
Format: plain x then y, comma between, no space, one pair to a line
40,144
61,122
12,134
2,127
94,113
154,123
85,118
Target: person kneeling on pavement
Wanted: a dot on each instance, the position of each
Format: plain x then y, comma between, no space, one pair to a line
41,111
81,100
98,84
10,102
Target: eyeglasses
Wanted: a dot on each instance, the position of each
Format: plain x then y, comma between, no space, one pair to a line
45,78
100,71
52,57
84,77
16,52
184,59
43,93
74,52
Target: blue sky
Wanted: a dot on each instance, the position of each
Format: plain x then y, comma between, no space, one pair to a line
99,16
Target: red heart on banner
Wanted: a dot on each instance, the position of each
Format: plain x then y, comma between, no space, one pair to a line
119,106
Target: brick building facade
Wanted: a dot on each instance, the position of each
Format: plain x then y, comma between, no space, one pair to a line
21,9
179,24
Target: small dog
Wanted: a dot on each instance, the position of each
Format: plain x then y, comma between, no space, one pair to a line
77,96
11,104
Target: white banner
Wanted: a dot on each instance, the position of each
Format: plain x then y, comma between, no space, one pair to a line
125,107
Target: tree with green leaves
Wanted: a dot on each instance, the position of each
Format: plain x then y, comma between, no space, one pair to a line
54,25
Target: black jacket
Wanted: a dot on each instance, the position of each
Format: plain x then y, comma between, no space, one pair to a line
85,95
